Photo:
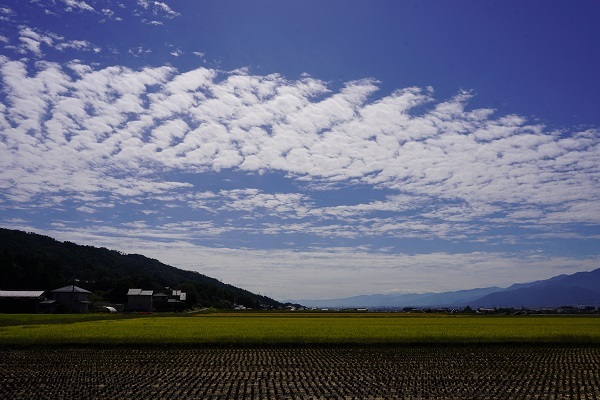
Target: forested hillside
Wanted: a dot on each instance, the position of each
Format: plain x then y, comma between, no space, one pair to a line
32,261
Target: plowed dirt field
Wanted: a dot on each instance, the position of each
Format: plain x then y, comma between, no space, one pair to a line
421,372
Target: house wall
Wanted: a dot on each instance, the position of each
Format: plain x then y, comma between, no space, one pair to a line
64,297
160,304
73,302
139,303
12,305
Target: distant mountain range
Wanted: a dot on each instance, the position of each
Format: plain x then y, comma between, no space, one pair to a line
581,288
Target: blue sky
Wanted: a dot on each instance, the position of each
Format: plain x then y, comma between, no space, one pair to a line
309,149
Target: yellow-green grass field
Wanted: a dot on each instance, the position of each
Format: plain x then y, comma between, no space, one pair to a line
292,329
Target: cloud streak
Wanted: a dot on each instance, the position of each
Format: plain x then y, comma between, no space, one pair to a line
324,272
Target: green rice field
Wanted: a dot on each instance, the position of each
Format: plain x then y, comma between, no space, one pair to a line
289,329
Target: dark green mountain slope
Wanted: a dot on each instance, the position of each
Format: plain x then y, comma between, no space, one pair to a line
32,261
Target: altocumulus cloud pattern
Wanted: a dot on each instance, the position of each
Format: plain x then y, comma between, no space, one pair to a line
74,130
281,185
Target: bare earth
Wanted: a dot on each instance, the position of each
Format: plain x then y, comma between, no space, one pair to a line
421,372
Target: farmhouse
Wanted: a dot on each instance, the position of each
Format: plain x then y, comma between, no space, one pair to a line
139,300
71,299
159,301
21,301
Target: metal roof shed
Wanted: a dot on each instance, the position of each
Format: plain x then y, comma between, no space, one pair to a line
139,300
21,301
22,293
139,292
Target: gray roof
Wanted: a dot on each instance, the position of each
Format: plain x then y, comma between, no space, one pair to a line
21,293
139,292
70,289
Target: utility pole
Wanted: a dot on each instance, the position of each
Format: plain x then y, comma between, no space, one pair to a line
72,293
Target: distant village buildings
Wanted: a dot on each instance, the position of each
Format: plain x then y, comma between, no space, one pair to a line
74,299
141,300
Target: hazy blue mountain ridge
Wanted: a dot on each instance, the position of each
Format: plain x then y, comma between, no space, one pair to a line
581,288
403,300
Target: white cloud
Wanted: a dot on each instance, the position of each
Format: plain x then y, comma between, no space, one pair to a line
450,173
177,53
6,14
79,5
164,8
139,51
32,41
158,8
342,272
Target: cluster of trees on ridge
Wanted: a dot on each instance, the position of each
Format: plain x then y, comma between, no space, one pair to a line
29,261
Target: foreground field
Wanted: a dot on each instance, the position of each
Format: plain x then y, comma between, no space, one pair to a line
299,356
401,372
293,329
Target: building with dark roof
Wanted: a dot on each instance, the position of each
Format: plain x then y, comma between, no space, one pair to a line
139,300
21,301
71,299
159,302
